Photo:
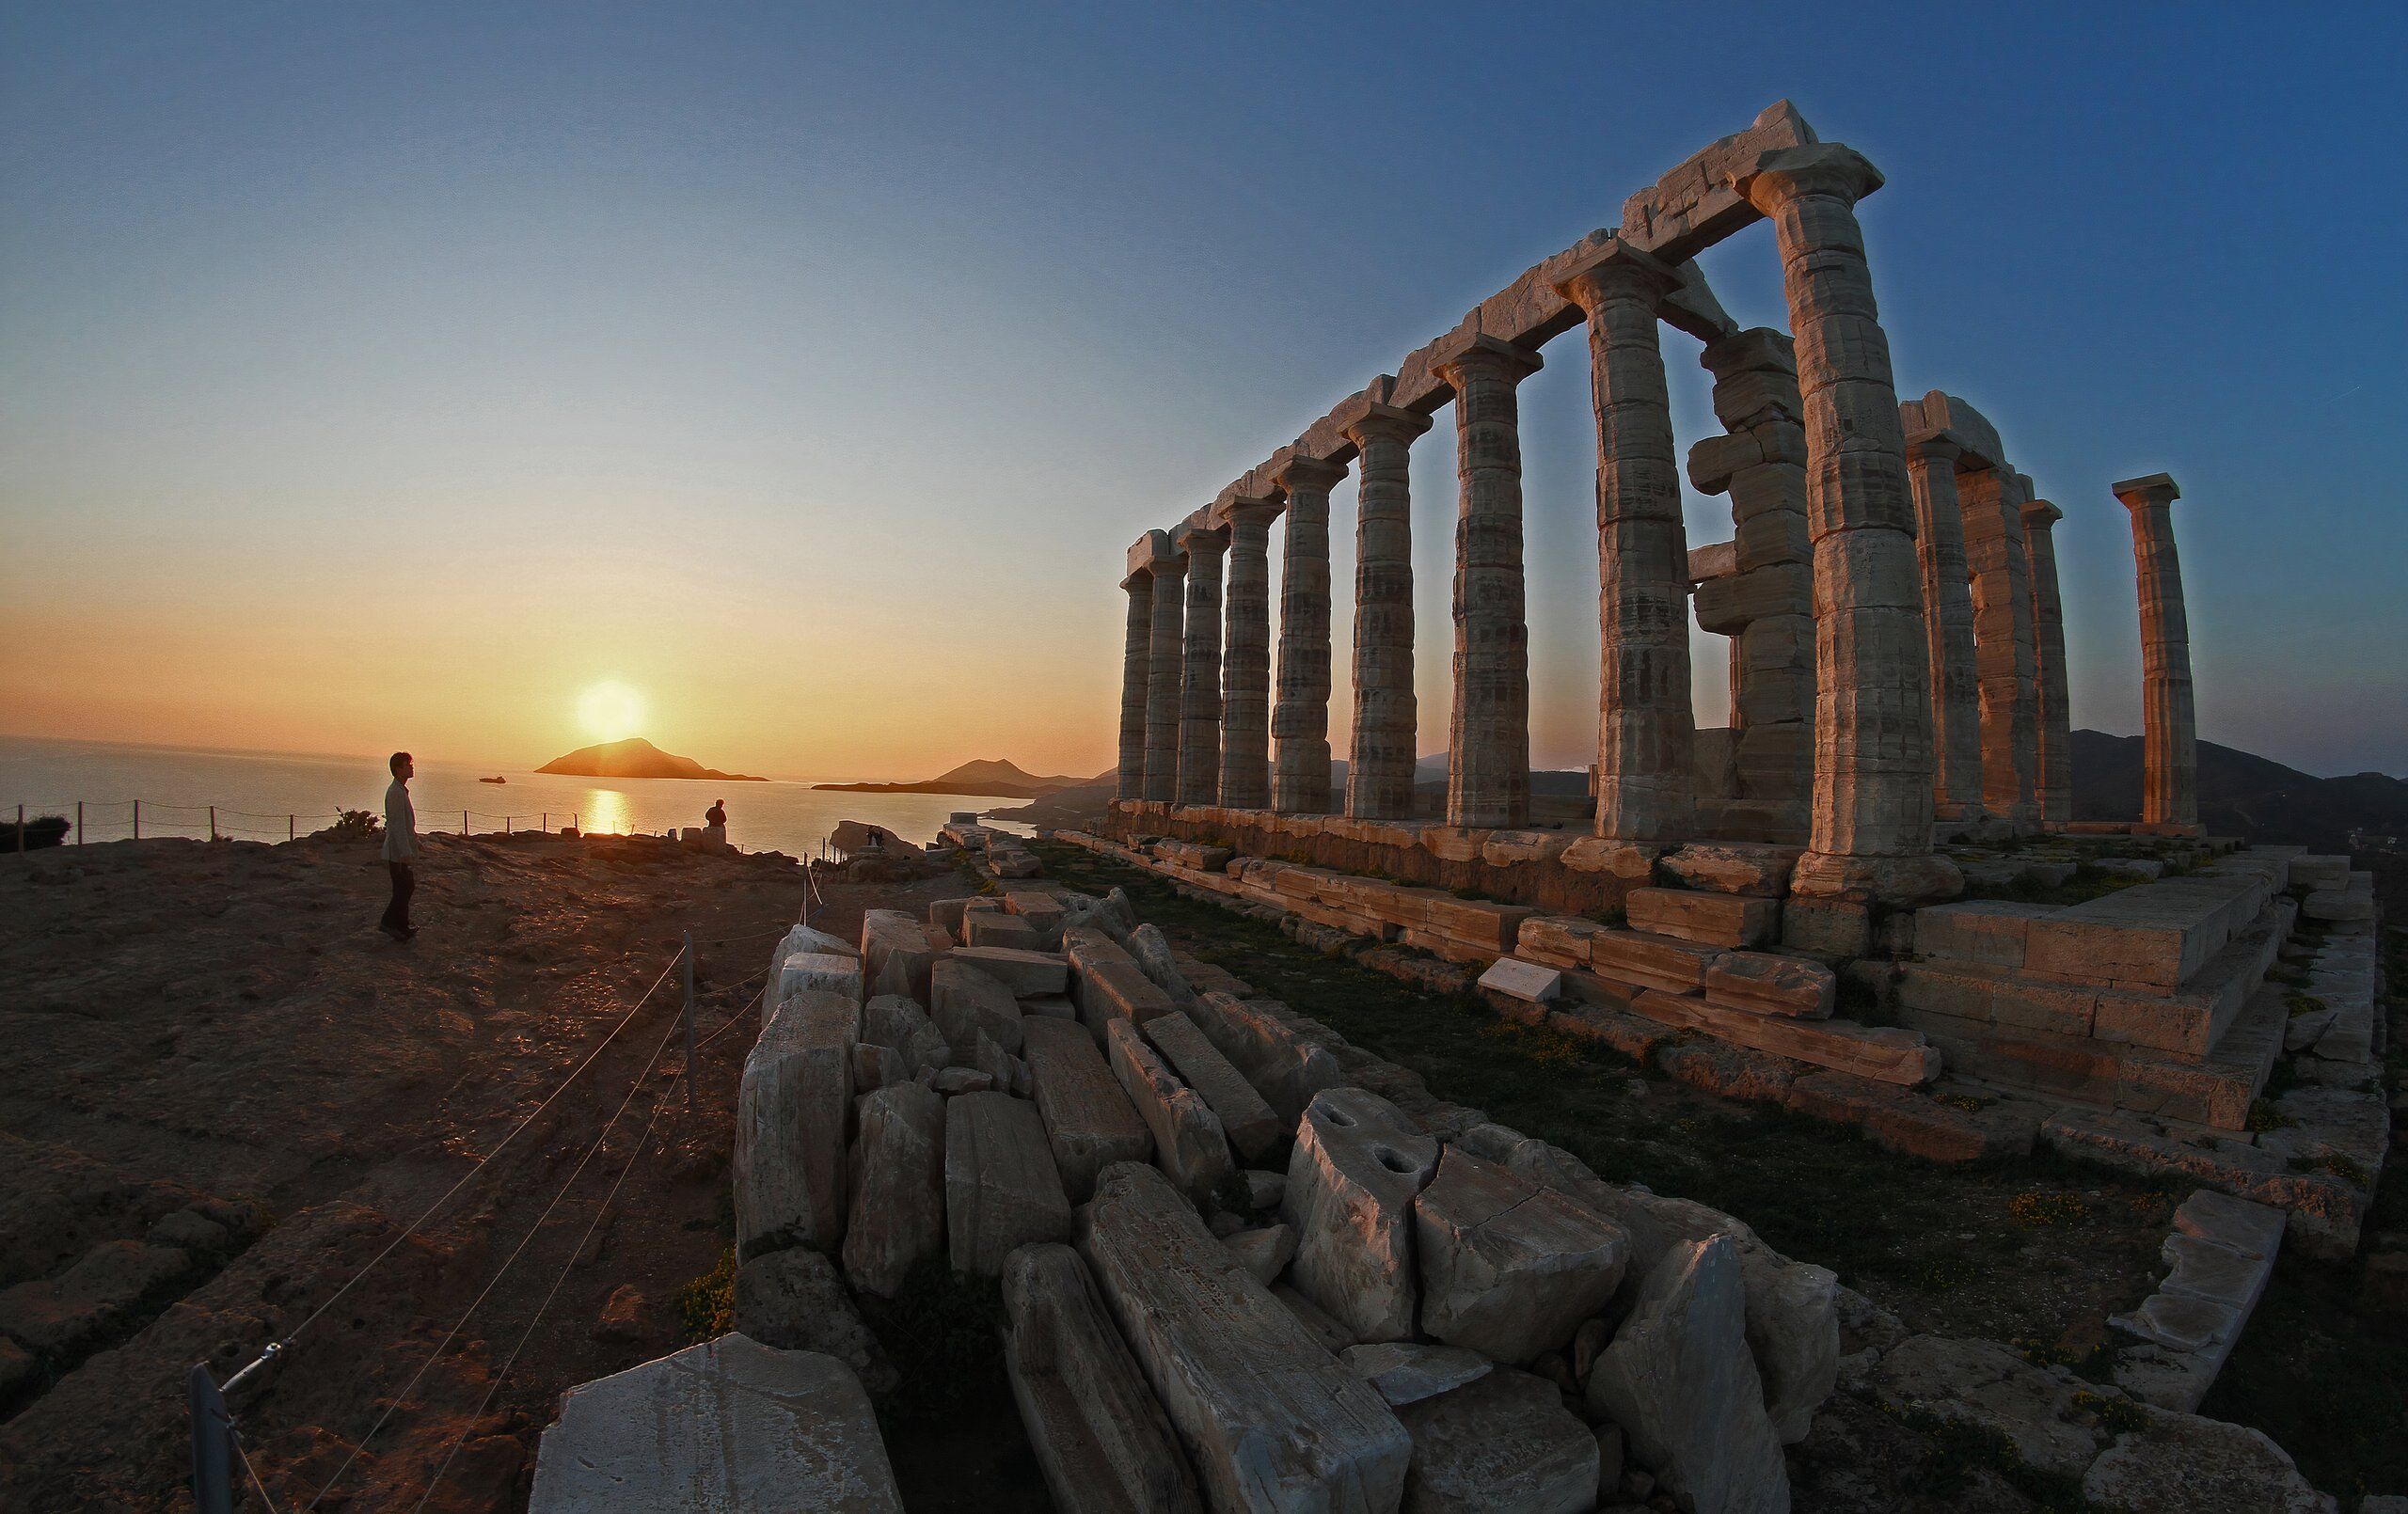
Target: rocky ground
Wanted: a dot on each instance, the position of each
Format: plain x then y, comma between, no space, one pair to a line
223,1093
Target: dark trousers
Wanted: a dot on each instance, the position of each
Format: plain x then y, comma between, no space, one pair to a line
397,914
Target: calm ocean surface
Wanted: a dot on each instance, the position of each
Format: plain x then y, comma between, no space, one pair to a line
256,792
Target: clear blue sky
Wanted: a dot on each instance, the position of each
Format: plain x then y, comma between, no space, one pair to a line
810,367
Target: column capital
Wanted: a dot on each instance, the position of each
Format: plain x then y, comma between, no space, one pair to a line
1818,168
1938,445
2039,514
2154,489
1360,416
1196,534
1298,471
1464,352
1148,553
1233,510
1615,267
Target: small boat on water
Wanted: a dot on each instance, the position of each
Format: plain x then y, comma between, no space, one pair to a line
493,780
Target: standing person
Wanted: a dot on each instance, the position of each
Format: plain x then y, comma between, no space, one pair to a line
401,848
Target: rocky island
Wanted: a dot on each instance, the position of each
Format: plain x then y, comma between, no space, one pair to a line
637,758
994,775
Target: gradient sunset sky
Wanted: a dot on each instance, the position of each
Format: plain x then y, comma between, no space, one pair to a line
383,375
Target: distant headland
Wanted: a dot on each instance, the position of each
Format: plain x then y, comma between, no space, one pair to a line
992,776
637,758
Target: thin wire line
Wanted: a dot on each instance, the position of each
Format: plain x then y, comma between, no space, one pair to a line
495,1281
252,1472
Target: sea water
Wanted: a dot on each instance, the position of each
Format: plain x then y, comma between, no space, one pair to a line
263,795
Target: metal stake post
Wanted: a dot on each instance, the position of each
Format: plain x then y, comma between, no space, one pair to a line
137,820
213,822
689,1022
291,826
464,825
79,822
213,1446
21,827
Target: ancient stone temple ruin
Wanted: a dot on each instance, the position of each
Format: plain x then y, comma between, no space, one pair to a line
1249,1265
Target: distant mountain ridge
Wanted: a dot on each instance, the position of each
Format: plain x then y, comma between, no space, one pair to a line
2243,795
995,777
637,758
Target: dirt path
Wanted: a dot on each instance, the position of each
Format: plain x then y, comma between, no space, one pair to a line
222,1093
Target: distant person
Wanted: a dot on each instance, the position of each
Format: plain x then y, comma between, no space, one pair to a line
401,848
716,814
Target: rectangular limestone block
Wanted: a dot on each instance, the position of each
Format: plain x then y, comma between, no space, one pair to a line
1106,983
813,971
1089,1123
1244,1116
1272,1421
2153,936
1029,975
1986,932
1529,982
1189,1143
966,1004
1043,912
793,1109
1286,1067
1994,996
895,955
1879,1053
728,1423
1649,961
1829,927
1002,1189
993,927
1100,1437
1707,919
1769,983
1509,1269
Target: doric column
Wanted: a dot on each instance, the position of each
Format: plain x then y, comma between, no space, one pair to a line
1872,816
1165,658
2048,632
1246,673
2003,650
1136,662
1948,621
1300,724
1199,684
1379,772
2170,790
1646,731
1488,746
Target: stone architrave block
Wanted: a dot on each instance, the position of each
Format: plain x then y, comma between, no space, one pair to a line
1509,1269
792,1109
1503,1441
1001,1189
1088,1121
898,1188
1100,1437
966,1003
896,953
1283,1066
728,1423
1679,1381
1271,1419
1027,974
995,928
1247,1120
1189,1142
1706,918
1357,1166
1772,984
813,972
893,1021
1529,982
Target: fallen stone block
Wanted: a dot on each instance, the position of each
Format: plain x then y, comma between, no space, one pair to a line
991,928
1089,1123
729,1423
1101,1436
1770,983
792,1299
900,1024
1106,983
813,972
2180,1464
1985,1385
1284,1067
1509,1269
1265,1252
1879,1052
1357,1166
1528,981
1028,974
1189,1143
1758,870
1271,1419
1649,961
1044,911
945,915
967,1002
1406,1373
874,1067
1000,1189
952,1080
1707,919
1679,1381
896,953
898,1188
1246,1118
1502,1442
1152,951
792,1109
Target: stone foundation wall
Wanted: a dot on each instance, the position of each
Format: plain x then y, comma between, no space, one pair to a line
1564,872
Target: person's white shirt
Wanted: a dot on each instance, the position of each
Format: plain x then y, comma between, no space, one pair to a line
401,823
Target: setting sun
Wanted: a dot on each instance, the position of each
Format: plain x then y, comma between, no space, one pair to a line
610,710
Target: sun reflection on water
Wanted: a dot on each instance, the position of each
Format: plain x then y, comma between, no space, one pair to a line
604,811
